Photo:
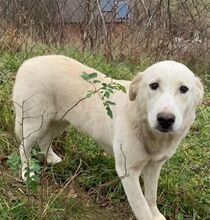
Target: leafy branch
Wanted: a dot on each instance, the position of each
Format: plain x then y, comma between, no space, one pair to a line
104,91
32,170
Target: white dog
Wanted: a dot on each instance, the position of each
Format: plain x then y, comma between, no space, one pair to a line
147,125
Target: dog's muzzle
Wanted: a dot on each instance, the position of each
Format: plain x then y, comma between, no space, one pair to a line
165,121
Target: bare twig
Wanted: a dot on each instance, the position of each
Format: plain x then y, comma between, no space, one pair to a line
57,195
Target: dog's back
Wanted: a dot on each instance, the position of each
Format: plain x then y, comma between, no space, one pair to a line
47,87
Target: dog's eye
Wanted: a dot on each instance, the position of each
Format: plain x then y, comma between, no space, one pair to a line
183,89
154,86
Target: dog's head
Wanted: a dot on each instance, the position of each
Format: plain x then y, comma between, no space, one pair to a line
168,91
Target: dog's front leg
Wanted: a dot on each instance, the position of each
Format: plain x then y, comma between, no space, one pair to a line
151,175
134,193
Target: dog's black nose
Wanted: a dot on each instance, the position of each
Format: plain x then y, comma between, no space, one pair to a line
165,121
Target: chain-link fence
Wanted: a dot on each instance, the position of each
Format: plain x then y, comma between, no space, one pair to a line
132,30
115,32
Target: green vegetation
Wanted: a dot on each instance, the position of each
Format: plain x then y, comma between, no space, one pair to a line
85,185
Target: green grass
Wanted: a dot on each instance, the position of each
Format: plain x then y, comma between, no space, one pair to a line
95,191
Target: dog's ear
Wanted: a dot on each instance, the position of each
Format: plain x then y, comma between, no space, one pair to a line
199,90
134,86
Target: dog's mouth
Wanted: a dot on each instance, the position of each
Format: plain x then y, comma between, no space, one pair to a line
164,130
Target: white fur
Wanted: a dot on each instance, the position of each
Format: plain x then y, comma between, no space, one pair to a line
46,87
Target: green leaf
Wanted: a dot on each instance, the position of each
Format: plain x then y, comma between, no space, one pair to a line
14,163
109,112
35,178
106,94
88,76
118,86
31,183
88,94
92,75
110,103
104,85
34,165
123,89
110,90
96,81
110,86
85,76
32,180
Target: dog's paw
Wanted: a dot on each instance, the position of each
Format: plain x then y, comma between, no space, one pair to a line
53,159
156,214
159,217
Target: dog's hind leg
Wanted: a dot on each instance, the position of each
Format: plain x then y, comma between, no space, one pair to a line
25,155
46,149
28,140
29,131
46,141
